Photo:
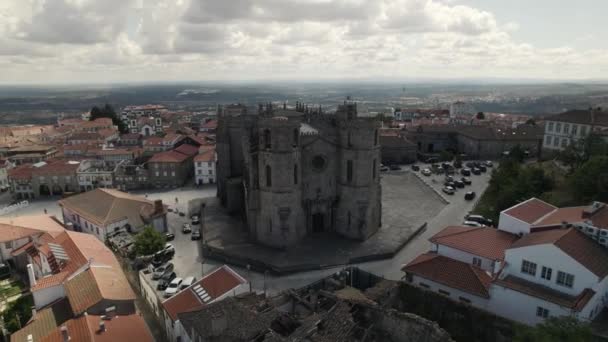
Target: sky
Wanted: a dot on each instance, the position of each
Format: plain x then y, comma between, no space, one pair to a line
95,41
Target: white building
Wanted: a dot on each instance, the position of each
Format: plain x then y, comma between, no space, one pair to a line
204,167
223,282
565,128
102,211
535,265
94,174
460,108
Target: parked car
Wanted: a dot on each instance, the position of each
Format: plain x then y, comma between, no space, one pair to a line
186,228
165,280
448,190
479,218
469,195
476,171
482,168
470,165
169,247
162,257
450,184
465,180
182,214
161,270
426,172
196,219
415,167
394,167
188,281
432,160
472,224
459,184
169,236
449,179
465,172
384,168
173,287
196,235
489,163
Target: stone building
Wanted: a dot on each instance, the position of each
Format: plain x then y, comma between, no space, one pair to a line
291,173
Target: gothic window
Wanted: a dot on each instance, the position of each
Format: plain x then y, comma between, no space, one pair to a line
376,138
267,138
374,169
350,139
349,171
295,174
296,136
349,219
268,176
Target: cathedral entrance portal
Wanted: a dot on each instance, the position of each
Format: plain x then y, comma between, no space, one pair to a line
318,223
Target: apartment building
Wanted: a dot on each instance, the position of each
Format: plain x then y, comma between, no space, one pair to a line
571,126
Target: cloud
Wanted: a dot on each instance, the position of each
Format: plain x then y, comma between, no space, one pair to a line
186,39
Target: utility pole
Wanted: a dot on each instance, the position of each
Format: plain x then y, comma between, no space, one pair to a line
249,276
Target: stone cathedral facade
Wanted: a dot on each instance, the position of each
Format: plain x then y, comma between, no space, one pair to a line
296,172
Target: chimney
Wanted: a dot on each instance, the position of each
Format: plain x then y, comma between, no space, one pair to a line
64,333
30,275
102,326
158,206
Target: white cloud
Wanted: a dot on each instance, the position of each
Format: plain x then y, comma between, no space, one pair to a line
197,39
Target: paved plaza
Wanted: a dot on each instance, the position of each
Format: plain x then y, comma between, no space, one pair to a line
407,203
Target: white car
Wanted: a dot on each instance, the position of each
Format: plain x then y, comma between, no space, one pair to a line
169,247
472,224
426,172
173,287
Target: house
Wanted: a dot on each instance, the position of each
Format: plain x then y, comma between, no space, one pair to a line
530,268
129,176
204,167
130,139
20,181
5,166
102,211
94,174
75,279
396,149
155,144
31,154
145,125
172,168
571,126
209,126
113,156
54,177
223,282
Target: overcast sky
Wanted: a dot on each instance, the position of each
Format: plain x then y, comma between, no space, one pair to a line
84,41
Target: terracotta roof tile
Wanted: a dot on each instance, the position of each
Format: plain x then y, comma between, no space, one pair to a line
574,243
168,157
206,156
452,273
82,291
530,211
119,328
569,214
45,322
216,283
546,293
581,116
485,242
187,149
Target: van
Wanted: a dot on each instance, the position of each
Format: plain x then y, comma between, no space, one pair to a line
187,282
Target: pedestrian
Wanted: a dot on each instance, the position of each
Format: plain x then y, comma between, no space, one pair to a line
45,211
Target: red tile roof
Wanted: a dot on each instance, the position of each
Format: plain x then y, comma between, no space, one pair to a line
485,242
216,284
168,157
21,172
530,211
576,303
569,214
206,156
574,243
210,124
119,328
451,273
186,149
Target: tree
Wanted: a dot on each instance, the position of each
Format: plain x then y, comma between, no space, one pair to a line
445,156
480,116
149,241
108,112
517,153
18,313
556,329
531,122
590,181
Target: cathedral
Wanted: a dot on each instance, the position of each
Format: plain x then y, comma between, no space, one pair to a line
297,172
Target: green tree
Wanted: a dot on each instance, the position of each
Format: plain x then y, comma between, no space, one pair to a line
108,112
531,122
149,241
18,313
590,181
445,156
556,329
480,116
517,153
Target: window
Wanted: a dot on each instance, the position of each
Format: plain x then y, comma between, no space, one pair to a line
349,171
270,225
548,140
445,293
583,130
558,127
374,169
295,174
268,176
349,139
556,141
157,174
210,164
376,138
424,285
542,312
564,142
296,136
165,173
565,279
349,219
210,172
97,229
574,129
173,173
528,267
566,128
199,164
477,262
550,127
8,244
546,273
267,139
464,300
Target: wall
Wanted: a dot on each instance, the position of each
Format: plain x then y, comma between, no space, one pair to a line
5,252
455,294
564,134
48,295
452,253
406,327
512,225
557,260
